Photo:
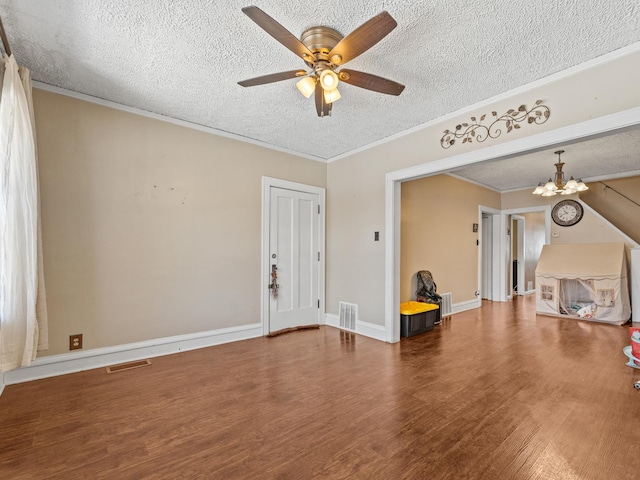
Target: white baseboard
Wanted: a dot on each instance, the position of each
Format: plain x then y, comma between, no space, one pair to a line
367,329
332,320
464,306
1,383
101,357
378,331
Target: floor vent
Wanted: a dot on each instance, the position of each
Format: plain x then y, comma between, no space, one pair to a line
128,366
348,316
445,305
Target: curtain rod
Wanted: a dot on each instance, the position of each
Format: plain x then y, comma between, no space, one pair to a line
5,40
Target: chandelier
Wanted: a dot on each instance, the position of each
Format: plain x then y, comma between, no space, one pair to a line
559,186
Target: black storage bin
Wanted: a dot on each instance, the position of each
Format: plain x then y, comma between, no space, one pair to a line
419,322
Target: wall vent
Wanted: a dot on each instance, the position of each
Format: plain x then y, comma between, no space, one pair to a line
445,305
348,316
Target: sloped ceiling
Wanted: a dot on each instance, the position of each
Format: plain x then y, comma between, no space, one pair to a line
183,59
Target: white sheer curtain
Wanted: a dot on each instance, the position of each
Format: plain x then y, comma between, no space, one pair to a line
23,317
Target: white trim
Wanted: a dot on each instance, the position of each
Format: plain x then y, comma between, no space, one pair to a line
371,330
546,209
1,383
62,364
468,180
464,306
163,118
267,183
600,178
626,237
586,130
392,260
612,176
522,210
529,292
520,252
331,320
595,62
496,222
507,95
572,133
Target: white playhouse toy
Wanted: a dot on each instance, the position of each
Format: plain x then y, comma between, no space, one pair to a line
587,281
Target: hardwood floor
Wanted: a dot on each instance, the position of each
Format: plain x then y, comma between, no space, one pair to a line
495,393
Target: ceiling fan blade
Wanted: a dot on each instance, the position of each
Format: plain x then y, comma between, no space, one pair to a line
363,38
322,107
272,77
370,82
277,31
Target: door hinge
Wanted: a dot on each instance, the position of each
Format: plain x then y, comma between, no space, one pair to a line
318,303
318,256
318,209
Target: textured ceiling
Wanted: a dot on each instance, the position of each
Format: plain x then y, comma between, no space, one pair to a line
597,159
183,58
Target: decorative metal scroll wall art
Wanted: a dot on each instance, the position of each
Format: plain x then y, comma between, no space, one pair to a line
504,123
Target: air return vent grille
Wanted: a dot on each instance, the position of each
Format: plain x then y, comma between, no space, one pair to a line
348,316
128,366
445,305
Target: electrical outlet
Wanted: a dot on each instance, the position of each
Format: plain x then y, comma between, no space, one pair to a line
75,342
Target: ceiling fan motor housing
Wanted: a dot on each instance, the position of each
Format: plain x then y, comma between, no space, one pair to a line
320,40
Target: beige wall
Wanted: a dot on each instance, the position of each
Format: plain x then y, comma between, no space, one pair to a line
618,201
437,220
150,229
356,185
591,229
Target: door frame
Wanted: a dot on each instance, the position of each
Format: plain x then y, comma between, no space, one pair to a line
485,280
518,220
497,232
588,129
267,183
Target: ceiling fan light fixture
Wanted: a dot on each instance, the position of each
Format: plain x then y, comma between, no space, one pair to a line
331,96
549,186
328,80
307,86
324,49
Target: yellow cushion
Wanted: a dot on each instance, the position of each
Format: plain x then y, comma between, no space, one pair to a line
411,308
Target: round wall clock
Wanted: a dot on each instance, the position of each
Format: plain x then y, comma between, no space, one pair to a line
567,212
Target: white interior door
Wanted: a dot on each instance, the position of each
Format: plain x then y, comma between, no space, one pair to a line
294,254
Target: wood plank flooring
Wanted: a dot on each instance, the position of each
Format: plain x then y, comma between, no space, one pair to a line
495,393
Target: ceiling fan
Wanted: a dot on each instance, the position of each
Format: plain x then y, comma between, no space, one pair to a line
324,50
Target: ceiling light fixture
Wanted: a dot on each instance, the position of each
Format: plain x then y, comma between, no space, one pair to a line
328,80
307,86
559,186
331,96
